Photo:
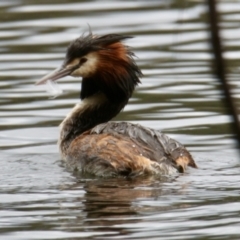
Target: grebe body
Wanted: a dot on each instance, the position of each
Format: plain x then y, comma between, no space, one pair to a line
90,143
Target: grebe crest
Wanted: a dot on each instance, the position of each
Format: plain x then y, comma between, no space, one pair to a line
109,77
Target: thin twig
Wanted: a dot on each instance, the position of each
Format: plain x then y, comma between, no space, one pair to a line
220,68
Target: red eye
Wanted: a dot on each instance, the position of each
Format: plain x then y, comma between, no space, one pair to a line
83,60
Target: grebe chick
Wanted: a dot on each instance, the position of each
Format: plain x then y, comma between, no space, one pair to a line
88,142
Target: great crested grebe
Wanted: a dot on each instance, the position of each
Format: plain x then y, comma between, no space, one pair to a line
88,142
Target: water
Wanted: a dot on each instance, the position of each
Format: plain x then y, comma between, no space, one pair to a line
39,199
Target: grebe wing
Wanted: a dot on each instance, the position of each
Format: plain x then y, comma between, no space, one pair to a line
163,147
114,154
114,149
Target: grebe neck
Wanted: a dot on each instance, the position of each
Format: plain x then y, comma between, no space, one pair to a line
85,115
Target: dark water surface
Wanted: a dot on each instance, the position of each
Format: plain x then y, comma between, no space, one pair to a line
39,199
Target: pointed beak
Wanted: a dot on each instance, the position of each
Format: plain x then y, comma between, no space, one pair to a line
57,74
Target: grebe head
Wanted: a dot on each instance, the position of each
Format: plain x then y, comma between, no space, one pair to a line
105,64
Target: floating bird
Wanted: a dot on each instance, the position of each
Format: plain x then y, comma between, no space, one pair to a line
90,143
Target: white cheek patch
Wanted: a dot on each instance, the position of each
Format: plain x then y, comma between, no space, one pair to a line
74,62
86,69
